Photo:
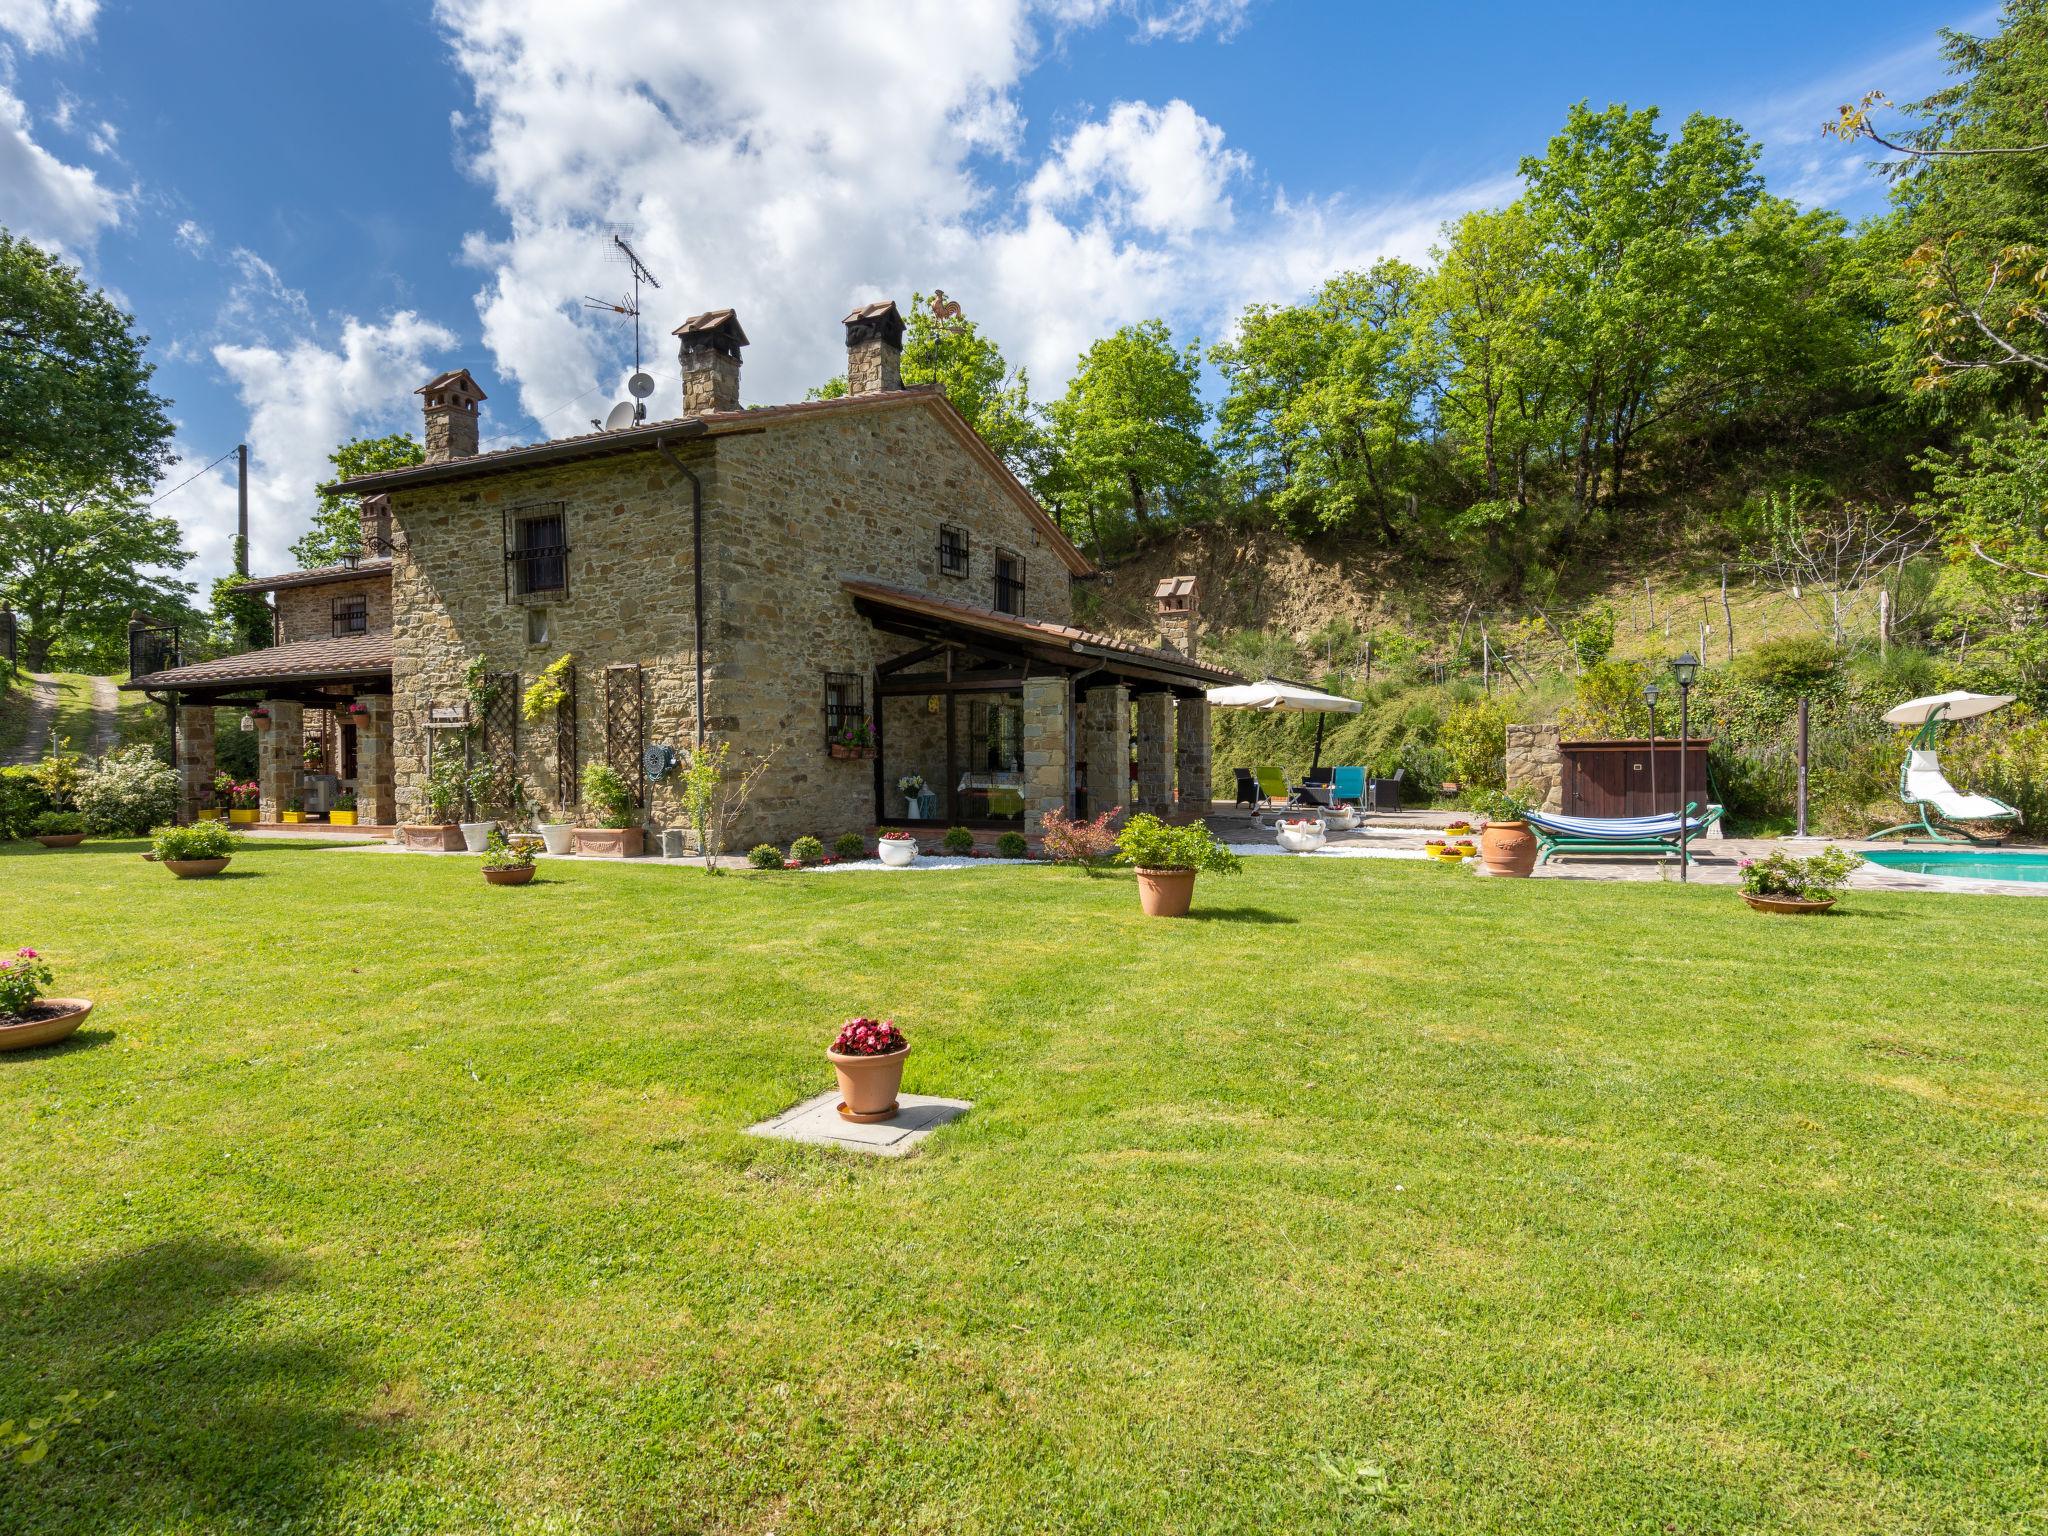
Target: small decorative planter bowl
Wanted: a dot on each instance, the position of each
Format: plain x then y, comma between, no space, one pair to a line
868,1085
341,818
897,852
610,842
509,876
1790,905
558,837
1166,892
194,869
476,835
1301,836
52,1020
61,839
840,750
1509,848
1342,818
432,837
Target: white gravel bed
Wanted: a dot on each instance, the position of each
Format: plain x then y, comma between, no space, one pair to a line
924,861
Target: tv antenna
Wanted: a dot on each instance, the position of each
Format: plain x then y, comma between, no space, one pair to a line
641,384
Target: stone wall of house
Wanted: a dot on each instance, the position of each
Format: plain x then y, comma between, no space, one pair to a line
1535,766
1191,724
306,613
1155,753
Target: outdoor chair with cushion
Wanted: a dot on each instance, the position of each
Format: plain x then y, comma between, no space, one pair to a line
1618,834
1348,785
1386,793
1925,789
1247,790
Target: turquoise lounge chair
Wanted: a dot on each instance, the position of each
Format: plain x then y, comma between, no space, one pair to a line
1348,784
1618,834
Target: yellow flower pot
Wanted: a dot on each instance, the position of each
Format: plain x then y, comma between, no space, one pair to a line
341,818
210,813
242,818
293,818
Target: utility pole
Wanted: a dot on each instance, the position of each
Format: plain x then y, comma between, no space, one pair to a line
241,509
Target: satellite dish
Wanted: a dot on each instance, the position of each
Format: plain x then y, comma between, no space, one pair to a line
640,386
621,416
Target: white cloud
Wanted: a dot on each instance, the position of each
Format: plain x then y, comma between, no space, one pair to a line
1162,168
192,236
302,398
54,204
44,24
1175,20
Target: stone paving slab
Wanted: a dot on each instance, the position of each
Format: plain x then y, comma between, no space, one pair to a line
816,1122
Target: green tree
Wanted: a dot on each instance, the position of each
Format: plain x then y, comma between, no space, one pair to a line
337,529
1128,432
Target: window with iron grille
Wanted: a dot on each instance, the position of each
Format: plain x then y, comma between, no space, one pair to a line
846,709
952,550
350,615
536,550
1009,582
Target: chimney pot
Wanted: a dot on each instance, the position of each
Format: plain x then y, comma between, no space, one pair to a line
874,349
450,402
710,352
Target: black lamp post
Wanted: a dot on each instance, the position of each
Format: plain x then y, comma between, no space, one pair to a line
1685,669
1650,698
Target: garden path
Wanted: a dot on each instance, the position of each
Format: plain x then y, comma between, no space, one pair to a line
42,710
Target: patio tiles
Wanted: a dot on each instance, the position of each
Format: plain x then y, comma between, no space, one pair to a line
816,1122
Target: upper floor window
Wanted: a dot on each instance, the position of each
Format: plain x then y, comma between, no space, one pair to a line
536,551
349,615
1009,582
952,550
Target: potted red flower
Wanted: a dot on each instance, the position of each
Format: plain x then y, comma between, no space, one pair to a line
868,1055
27,1017
897,849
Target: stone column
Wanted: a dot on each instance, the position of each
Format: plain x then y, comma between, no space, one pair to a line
1192,721
1106,723
196,762
1155,753
376,787
1045,750
1535,766
281,756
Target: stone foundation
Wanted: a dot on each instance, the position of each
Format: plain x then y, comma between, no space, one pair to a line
1535,766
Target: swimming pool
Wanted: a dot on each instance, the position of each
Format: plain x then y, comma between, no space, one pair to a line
1962,863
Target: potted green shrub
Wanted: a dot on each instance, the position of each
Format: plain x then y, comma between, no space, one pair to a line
1168,859
868,1058
507,863
29,1017
617,834
439,833
58,829
485,786
1506,845
1780,883
193,852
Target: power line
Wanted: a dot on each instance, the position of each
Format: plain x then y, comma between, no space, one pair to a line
167,495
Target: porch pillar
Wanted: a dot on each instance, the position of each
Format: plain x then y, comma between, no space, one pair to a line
1192,733
1045,750
196,761
1106,747
281,756
1155,753
376,780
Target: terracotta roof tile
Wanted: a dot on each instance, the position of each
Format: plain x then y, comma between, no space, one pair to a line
345,658
314,575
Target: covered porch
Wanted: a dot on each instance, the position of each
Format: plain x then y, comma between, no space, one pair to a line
1002,718
321,712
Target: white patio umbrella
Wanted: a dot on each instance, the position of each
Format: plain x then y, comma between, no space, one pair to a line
1282,697
1960,705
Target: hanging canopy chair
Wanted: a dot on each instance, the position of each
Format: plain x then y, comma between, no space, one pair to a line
1924,788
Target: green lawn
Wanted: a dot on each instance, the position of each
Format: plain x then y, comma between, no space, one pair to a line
1381,1198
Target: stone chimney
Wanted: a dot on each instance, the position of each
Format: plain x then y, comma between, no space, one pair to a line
376,515
1177,603
451,402
874,349
711,345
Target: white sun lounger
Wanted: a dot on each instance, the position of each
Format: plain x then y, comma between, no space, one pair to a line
1926,789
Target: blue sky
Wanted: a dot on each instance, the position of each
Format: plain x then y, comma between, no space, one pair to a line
313,207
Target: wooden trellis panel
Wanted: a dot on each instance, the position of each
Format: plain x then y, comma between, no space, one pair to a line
501,725
567,790
625,725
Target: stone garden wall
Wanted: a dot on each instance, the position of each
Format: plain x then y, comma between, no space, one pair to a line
1535,766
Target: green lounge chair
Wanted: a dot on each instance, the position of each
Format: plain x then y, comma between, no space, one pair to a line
1272,786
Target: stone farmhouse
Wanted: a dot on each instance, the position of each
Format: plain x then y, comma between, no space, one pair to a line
856,589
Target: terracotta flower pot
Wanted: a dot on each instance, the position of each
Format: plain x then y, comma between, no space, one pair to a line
194,869
1509,848
509,876
1166,892
61,839
52,1020
432,837
1791,905
868,1084
610,842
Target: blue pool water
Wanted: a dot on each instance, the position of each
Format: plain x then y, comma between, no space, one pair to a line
1962,863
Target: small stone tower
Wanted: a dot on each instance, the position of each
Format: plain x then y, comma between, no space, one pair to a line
1177,603
451,400
710,352
874,349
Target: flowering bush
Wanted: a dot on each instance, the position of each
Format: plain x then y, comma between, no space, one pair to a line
859,737
23,981
124,794
899,837
245,796
1068,841
1814,879
869,1037
765,856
